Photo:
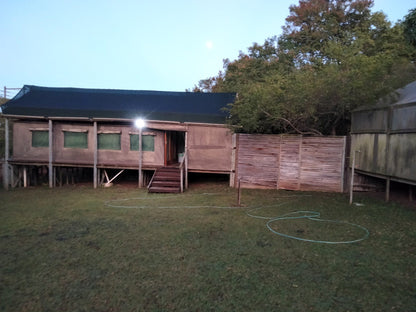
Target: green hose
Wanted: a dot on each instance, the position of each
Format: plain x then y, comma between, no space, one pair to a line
302,214
315,216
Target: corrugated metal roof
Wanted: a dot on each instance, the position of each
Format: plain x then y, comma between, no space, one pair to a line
106,103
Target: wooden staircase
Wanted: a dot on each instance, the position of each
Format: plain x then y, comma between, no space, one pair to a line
166,180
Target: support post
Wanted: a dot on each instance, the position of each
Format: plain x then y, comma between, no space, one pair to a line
181,172
388,190
239,193
95,146
24,176
186,160
140,159
50,165
352,176
233,159
6,171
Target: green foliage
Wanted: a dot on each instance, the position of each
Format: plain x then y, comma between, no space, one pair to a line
333,57
409,25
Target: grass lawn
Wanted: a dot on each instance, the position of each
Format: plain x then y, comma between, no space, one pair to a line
72,249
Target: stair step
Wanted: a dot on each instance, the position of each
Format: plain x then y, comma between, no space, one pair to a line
170,179
166,183
154,189
166,180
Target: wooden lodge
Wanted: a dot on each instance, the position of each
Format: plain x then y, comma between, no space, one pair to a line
61,130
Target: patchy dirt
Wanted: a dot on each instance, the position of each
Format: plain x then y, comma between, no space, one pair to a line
399,193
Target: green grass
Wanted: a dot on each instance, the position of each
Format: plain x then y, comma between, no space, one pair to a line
63,249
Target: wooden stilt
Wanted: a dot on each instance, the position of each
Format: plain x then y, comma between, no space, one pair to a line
388,190
24,176
95,145
50,165
6,171
239,193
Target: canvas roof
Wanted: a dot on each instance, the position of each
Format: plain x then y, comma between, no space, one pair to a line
39,101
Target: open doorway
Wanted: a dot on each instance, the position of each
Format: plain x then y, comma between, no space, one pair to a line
174,147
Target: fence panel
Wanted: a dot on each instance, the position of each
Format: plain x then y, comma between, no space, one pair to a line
291,162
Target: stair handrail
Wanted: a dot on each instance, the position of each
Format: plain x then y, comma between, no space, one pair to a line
182,164
151,180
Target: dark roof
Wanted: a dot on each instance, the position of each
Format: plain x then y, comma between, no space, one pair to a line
402,96
119,104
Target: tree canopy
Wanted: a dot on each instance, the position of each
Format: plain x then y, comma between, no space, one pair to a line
409,27
332,57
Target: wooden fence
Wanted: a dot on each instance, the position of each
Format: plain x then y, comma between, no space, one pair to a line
290,162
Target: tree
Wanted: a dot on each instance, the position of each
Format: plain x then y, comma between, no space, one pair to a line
409,25
333,57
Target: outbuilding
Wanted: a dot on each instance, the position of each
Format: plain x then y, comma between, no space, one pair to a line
383,139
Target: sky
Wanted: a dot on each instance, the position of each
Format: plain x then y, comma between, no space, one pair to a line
138,45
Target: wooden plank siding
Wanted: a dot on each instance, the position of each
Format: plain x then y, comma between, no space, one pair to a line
257,163
289,170
291,162
209,148
322,164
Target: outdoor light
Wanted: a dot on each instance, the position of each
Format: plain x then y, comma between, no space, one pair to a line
140,123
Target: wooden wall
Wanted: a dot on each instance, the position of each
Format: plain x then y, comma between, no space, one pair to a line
258,161
23,151
209,148
386,140
290,162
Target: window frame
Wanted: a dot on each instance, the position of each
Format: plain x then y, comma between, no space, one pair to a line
146,147
102,134
38,131
75,132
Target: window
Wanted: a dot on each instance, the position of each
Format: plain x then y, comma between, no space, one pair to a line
109,141
148,143
74,139
40,138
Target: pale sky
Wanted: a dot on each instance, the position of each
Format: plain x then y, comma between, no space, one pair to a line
139,45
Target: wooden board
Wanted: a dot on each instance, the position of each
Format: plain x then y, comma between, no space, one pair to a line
291,162
257,164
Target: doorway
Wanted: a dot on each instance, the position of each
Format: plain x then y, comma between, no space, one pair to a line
174,147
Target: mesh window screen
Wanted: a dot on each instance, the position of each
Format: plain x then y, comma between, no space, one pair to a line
109,141
40,138
75,139
148,143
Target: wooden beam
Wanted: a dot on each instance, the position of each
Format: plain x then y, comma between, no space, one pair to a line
24,176
95,147
300,162
186,160
352,176
6,171
388,190
344,147
140,159
233,159
50,165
